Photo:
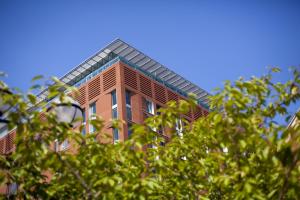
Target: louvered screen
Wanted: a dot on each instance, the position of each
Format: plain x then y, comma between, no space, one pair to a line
189,114
80,98
160,93
43,117
130,77
145,86
109,79
10,141
2,145
205,112
198,113
172,96
94,88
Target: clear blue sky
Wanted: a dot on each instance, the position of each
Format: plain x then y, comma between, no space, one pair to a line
207,42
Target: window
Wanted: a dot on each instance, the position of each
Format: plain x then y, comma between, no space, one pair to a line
83,131
59,147
56,146
128,105
149,106
116,135
129,131
3,131
12,189
114,105
92,113
179,127
157,109
160,128
64,145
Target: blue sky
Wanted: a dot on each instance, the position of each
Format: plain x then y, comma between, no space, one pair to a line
207,42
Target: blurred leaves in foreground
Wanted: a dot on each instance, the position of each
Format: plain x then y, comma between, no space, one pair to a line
238,151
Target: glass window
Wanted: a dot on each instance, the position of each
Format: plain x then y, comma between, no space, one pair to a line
83,132
157,109
128,97
3,131
56,146
114,98
149,107
92,110
115,113
128,113
92,113
179,127
128,105
129,131
116,135
83,116
64,145
114,104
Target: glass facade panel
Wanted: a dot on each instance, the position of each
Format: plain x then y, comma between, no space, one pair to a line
128,105
114,98
115,135
115,113
128,113
149,106
83,131
65,144
114,105
128,97
92,113
129,131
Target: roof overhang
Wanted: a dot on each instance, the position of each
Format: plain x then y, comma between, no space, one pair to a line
139,59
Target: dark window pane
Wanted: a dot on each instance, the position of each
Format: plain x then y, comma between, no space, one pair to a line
128,113
83,116
115,113
116,134
129,130
128,97
83,132
114,97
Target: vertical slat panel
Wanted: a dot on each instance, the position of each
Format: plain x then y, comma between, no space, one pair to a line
94,88
130,78
145,86
109,79
160,93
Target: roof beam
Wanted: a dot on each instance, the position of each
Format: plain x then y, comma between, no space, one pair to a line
121,48
124,53
150,65
138,58
177,79
167,74
115,45
179,82
143,61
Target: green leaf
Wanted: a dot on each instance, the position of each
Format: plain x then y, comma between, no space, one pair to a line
32,98
38,77
275,69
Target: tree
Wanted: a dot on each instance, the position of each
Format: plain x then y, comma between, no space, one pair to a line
237,152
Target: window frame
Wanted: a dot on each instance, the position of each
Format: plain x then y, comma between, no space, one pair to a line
92,116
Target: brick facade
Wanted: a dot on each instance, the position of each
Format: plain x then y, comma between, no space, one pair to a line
119,77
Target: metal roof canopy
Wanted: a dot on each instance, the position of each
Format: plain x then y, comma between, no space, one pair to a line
134,56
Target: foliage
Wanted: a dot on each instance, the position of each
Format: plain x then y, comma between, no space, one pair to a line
237,152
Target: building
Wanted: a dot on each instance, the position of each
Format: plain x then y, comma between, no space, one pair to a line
121,82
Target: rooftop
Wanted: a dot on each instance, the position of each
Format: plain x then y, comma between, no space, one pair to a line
120,50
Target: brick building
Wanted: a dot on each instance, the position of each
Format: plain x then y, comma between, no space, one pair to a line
121,82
